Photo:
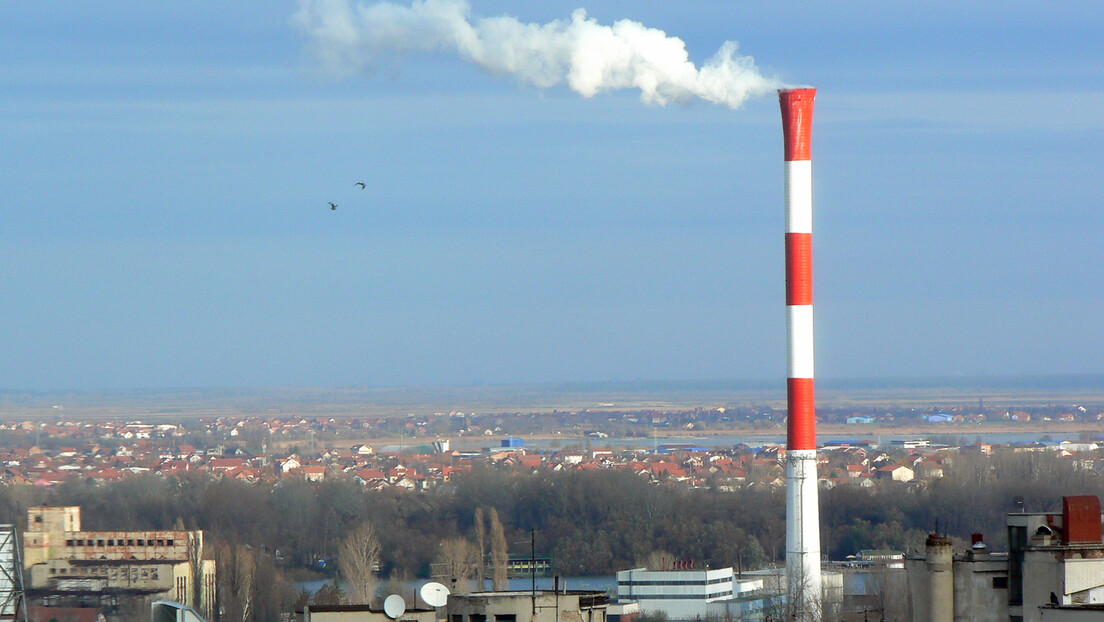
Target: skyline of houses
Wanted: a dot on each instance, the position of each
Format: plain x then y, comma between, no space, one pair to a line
246,448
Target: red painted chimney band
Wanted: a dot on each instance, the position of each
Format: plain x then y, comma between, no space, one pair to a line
799,268
797,122
801,424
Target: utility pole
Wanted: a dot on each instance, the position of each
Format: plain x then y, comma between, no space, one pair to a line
533,567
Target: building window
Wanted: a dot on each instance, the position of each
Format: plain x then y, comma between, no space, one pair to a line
168,542
141,542
99,542
110,542
456,617
160,542
506,617
130,542
80,542
38,518
53,571
69,542
477,617
1000,583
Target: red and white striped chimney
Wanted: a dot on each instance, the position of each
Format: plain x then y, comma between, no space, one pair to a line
802,513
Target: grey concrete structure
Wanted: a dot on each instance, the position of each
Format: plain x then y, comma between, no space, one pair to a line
360,613
522,606
1054,569
940,556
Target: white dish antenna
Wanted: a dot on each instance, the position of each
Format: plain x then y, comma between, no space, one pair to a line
434,594
394,606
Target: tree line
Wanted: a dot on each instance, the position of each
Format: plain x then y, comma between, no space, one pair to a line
588,523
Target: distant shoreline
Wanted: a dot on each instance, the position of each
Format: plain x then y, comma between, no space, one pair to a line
858,432
185,403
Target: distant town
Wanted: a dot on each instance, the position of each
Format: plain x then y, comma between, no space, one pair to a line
721,447
290,516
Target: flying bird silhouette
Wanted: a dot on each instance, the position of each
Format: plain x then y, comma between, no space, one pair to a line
361,184
333,205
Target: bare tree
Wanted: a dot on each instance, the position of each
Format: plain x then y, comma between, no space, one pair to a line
247,571
779,605
499,556
457,563
889,589
357,560
656,560
481,545
195,560
480,541
236,582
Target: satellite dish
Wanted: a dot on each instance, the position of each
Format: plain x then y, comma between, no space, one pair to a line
434,594
394,606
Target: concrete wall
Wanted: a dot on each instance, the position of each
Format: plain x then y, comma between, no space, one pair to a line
61,575
1084,580
977,590
55,533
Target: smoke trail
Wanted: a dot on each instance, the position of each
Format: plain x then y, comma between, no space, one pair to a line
589,57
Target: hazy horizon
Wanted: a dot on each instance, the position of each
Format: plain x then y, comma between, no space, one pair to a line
167,402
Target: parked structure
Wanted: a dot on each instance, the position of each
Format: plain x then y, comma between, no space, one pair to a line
66,566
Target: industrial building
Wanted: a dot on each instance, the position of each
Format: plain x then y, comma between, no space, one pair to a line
690,594
532,606
1053,570
64,565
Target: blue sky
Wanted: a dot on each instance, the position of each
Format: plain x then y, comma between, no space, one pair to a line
166,170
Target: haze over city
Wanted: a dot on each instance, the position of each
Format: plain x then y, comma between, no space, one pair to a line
168,172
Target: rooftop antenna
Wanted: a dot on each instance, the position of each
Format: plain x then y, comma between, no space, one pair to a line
533,567
394,606
434,594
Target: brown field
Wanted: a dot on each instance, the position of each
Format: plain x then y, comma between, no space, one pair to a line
180,405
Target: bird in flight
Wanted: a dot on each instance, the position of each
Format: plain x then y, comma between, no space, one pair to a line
333,205
361,184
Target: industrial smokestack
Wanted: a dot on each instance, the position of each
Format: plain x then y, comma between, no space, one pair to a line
940,562
802,512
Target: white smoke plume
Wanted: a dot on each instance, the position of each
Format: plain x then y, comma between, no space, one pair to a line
589,57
